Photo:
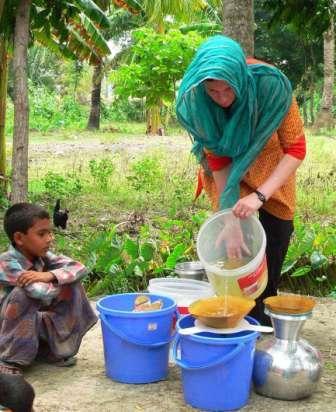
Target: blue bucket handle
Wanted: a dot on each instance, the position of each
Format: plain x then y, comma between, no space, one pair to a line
137,342
221,359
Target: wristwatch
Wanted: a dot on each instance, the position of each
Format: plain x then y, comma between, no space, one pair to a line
261,196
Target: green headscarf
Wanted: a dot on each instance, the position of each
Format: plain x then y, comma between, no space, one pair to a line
263,97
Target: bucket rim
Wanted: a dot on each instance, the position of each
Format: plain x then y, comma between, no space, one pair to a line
191,267
174,280
250,335
127,313
242,270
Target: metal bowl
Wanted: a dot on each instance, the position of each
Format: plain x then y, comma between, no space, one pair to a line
190,270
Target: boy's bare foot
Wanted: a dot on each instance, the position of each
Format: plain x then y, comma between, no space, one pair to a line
70,361
66,362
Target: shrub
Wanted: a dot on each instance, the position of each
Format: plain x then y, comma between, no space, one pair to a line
101,171
57,185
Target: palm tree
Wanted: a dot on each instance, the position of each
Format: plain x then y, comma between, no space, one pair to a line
3,92
325,116
6,35
21,126
238,23
64,26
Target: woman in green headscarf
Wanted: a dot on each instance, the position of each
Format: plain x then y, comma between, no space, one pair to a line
248,137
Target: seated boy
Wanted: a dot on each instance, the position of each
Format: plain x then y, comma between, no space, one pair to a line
43,307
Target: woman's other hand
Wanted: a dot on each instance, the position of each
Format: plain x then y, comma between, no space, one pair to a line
246,206
232,235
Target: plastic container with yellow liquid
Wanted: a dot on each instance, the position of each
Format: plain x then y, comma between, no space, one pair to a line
228,275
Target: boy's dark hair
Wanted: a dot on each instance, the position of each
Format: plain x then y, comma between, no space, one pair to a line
21,217
16,393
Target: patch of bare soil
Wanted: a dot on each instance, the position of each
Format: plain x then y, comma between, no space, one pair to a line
85,387
139,144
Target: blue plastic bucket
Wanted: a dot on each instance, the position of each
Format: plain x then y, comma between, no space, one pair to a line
216,369
136,344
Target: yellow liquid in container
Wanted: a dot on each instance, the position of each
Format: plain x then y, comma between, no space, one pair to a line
249,284
224,285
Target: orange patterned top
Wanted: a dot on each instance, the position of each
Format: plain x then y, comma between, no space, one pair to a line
283,201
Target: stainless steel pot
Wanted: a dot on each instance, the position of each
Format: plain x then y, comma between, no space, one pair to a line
285,366
190,270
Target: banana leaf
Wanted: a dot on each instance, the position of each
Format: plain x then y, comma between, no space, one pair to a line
93,34
53,45
95,13
132,6
203,28
81,49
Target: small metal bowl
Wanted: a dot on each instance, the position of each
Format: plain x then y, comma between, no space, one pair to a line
190,270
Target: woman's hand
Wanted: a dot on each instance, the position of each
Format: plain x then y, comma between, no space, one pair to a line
31,276
235,245
246,206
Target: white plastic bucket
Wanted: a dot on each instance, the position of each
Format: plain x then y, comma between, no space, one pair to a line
183,291
249,279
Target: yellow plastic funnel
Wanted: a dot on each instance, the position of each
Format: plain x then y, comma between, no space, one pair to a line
221,311
289,304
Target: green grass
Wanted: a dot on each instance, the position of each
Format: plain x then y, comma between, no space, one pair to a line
316,180
153,177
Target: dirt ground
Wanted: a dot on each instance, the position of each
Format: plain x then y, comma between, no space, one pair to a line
85,387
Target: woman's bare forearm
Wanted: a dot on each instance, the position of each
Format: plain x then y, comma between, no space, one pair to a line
220,178
286,167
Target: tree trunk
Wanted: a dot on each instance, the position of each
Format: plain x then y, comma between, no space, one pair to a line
21,108
153,119
325,116
2,3
304,111
3,98
311,104
94,119
238,23
154,126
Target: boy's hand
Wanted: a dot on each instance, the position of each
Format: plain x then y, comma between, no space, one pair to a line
30,276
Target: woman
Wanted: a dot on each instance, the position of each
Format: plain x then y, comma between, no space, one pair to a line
249,139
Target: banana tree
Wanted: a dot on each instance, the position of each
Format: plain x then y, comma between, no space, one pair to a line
121,22
71,28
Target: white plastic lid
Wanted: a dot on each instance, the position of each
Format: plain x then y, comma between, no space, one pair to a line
180,285
183,291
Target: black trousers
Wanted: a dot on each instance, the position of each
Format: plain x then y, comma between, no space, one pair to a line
278,233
